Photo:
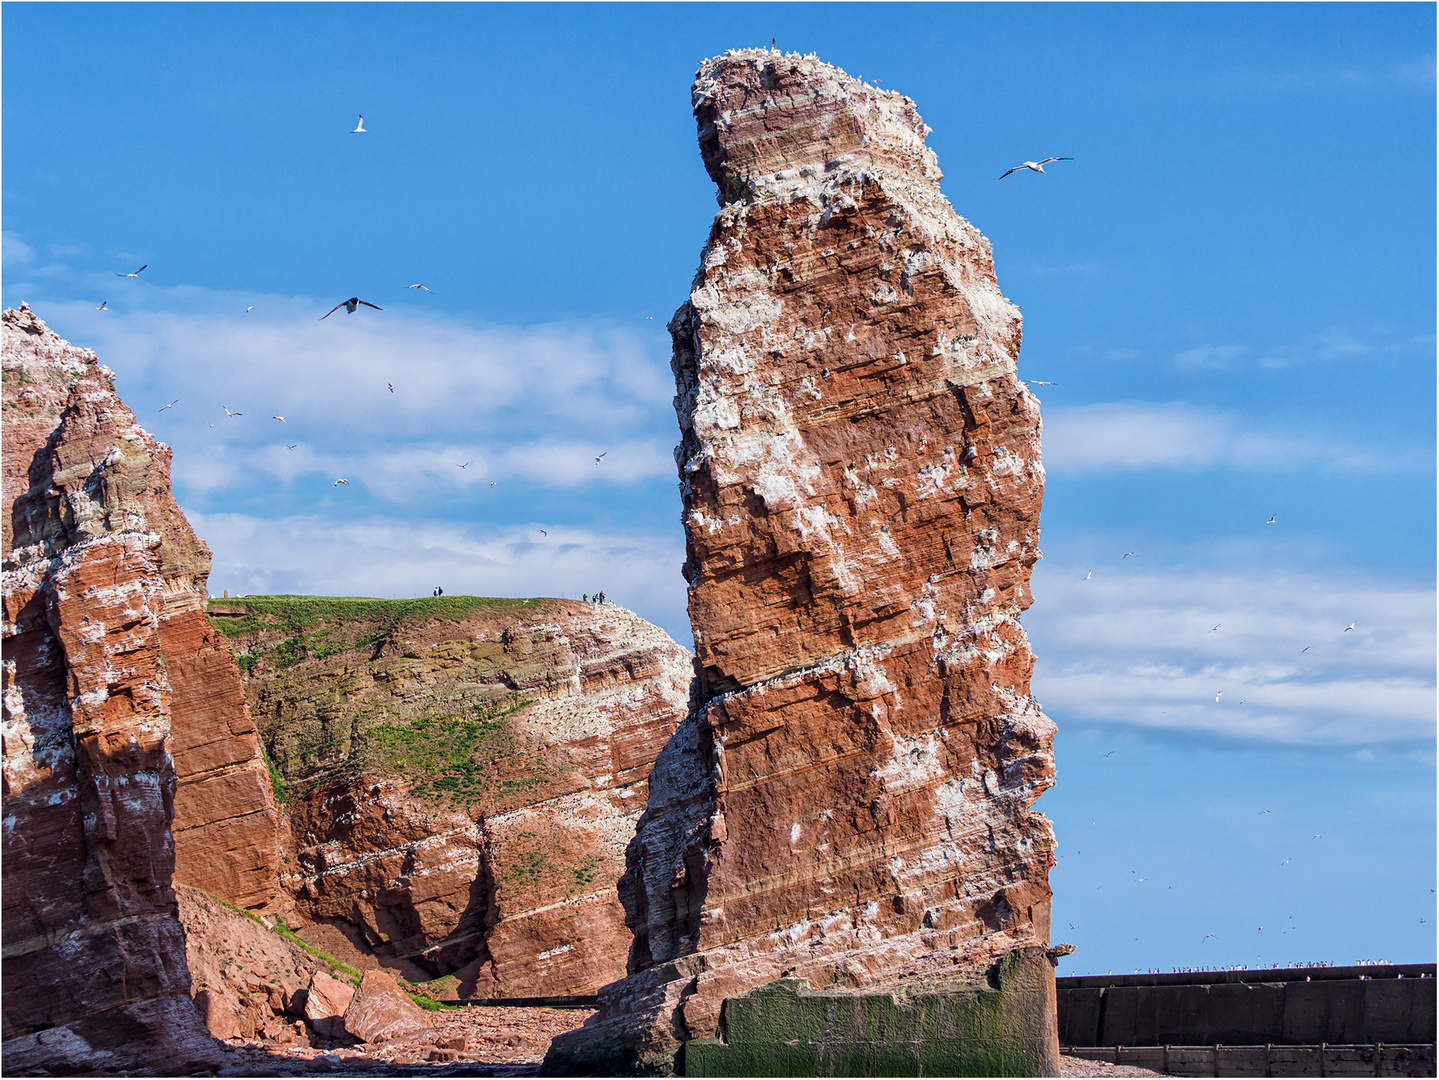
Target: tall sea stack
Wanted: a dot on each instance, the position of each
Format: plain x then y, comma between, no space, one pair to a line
849,802
129,755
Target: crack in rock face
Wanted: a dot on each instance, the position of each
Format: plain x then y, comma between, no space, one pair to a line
849,802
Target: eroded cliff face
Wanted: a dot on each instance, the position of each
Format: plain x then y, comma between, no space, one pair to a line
850,802
94,551
465,775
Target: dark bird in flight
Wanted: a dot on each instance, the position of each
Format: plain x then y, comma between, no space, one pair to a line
102,305
351,306
1036,166
135,274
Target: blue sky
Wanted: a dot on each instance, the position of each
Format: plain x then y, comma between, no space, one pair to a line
1232,286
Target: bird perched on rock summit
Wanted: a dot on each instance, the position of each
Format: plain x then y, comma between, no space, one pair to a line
351,306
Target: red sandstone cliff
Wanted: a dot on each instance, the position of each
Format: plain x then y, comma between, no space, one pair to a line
94,956
850,803
465,775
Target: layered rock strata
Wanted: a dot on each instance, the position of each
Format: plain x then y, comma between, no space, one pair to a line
850,801
94,549
465,776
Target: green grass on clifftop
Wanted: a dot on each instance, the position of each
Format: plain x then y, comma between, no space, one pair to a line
282,630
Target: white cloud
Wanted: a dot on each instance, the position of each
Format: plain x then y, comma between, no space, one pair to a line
1332,346
1136,647
521,403
1127,436
387,556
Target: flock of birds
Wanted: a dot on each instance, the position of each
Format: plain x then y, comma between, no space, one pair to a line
351,306
1272,520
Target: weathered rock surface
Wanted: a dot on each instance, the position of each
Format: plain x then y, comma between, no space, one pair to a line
95,977
850,801
228,830
465,776
248,982
326,1002
380,1010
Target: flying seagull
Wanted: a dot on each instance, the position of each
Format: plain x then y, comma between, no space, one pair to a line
279,418
1350,627
1089,575
466,465
1271,519
1262,813
359,126
543,533
597,460
1219,695
249,309
1037,382
391,386
135,274
164,407
1215,627
1206,937
1305,649
102,305
351,306
291,445
417,285
229,413
1106,755
1036,166
1127,554
338,482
